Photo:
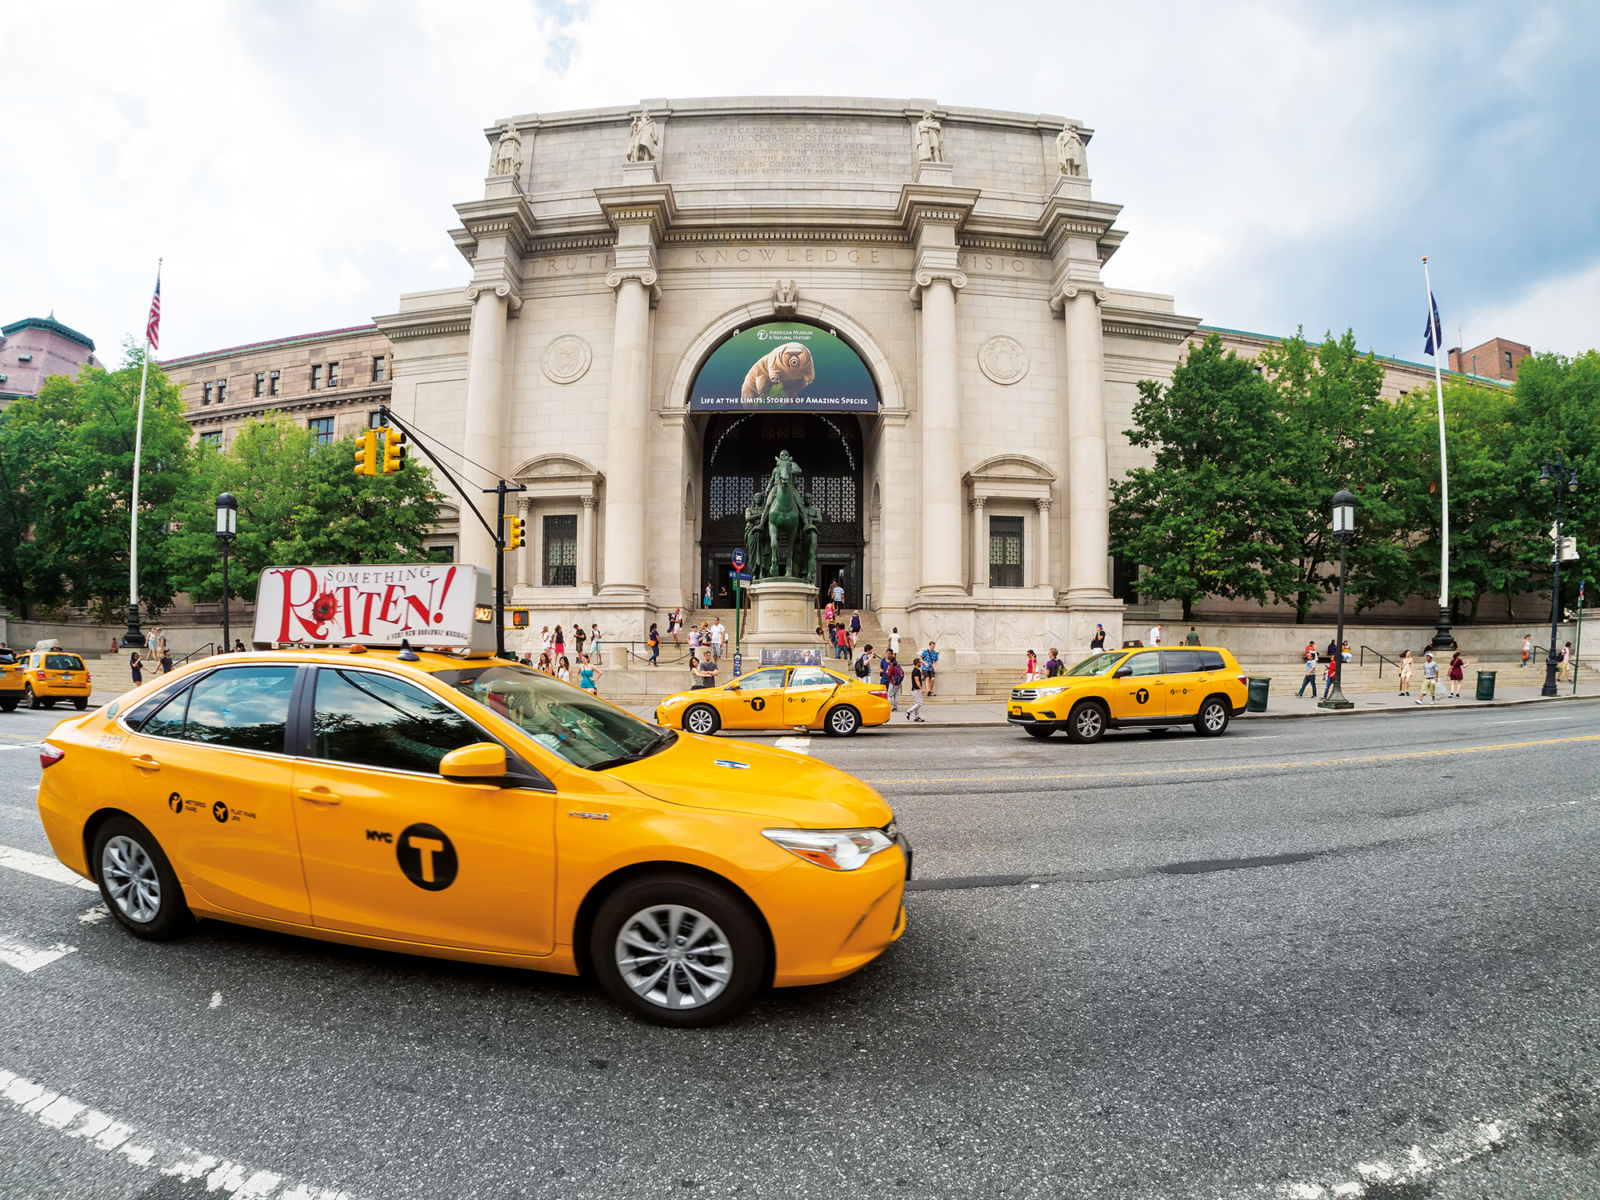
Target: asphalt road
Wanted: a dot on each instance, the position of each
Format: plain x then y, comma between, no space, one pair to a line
1308,959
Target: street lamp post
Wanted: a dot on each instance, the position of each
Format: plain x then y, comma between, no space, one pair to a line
227,530
1556,473
1344,527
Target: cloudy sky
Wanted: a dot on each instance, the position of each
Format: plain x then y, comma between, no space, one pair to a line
1279,164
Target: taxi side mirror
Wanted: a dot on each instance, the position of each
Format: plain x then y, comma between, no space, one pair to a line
481,760
731,686
1123,672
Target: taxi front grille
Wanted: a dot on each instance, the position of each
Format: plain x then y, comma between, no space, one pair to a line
1024,693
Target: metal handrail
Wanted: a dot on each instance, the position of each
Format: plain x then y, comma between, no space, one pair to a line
209,648
1382,658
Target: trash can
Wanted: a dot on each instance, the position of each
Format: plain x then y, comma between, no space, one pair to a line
1486,685
1258,693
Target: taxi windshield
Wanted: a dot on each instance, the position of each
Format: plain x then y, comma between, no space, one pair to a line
581,728
1097,664
63,662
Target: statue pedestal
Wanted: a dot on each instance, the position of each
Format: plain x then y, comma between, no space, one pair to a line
783,615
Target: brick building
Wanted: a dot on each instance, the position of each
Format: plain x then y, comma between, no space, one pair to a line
1495,359
36,347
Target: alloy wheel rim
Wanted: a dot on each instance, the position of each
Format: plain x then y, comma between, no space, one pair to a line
131,878
1213,716
674,956
1089,722
700,721
842,720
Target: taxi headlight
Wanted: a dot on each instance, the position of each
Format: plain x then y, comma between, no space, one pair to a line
835,849
1041,693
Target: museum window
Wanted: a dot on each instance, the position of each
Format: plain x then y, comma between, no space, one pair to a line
377,369
316,376
272,383
1005,552
561,551
222,390
213,439
261,382
206,398
321,428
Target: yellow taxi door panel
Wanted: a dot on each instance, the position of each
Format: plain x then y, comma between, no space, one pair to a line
207,773
1181,669
758,704
809,689
1142,694
392,849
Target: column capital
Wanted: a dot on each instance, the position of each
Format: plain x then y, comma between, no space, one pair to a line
1070,291
1042,503
503,287
977,501
929,272
587,500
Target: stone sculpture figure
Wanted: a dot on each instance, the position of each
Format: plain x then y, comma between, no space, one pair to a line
1069,152
930,140
507,151
644,138
783,519
755,535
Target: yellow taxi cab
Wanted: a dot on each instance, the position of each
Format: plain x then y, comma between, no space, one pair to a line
469,808
1200,686
779,698
51,675
12,684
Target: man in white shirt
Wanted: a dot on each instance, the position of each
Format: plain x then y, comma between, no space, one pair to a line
718,632
1154,637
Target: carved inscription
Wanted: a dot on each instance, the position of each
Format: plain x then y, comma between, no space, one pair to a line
791,151
789,254
570,264
1004,264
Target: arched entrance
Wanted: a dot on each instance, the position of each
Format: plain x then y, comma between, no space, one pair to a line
738,452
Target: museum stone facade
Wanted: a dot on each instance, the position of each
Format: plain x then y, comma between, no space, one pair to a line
904,296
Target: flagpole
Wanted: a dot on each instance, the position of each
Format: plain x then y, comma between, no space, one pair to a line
134,636
1442,637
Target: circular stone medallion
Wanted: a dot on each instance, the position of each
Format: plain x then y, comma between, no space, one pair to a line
1003,359
567,358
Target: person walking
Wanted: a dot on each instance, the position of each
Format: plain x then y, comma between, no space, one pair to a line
1457,672
578,638
1406,663
719,634
1527,648
1053,665
1098,641
594,642
589,675
546,642
1565,669
919,682
855,625
1333,670
892,676
560,642
894,641
1311,674
841,643
136,666
705,600
654,642
838,596
1154,635
1193,639
1030,672
675,623
864,663
929,657
166,659
1430,678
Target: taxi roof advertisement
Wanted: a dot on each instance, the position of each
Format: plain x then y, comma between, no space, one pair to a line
786,366
427,604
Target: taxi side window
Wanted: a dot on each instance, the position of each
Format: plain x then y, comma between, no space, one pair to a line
1148,663
371,720
161,716
812,677
243,707
1211,660
63,662
1180,662
770,677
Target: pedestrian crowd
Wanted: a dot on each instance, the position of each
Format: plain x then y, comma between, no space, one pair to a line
554,660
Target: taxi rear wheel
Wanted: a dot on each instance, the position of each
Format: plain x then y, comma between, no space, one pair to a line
80,702
702,719
1087,723
677,950
1213,718
8,706
28,697
138,883
843,721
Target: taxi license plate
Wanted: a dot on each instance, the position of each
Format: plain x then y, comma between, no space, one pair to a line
1016,712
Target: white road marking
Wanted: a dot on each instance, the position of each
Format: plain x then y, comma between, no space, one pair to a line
1528,721
28,959
95,915
216,999
72,1119
45,868
800,745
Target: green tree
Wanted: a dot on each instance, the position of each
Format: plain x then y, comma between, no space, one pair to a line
343,517
29,574
1207,519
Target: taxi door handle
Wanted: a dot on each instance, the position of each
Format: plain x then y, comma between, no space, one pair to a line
319,795
145,763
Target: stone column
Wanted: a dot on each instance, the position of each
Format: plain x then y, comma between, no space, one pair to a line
1088,480
586,545
940,416
626,429
1041,554
525,511
485,415
980,544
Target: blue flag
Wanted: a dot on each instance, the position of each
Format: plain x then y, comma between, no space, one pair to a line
1433,335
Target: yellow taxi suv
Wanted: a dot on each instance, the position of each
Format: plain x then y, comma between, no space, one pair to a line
779,698
51,675
13,687
1199,686
469,808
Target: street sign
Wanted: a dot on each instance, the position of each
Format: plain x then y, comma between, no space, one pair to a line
738,664
737,577
738,560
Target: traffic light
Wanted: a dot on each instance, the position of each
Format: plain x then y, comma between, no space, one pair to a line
516,529
394,450
367,453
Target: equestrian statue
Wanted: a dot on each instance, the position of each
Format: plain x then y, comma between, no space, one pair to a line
782,523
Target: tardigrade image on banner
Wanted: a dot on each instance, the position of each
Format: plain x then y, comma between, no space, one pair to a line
784,365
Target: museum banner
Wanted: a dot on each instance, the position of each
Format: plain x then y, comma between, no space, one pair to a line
785,366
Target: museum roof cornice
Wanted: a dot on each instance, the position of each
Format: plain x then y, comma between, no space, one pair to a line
507,217
427,322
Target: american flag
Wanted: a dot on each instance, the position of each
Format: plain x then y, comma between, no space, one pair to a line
152,329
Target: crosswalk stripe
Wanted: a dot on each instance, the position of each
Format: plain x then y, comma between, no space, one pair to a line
45,868
26,958
800,745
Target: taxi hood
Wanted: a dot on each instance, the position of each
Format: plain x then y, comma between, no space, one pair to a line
792,789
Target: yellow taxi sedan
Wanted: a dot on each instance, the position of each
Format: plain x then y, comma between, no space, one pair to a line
51,675
779,698
1198,686
12,683
470,808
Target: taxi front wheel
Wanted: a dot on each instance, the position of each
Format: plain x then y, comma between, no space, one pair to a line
702,719
28,697
1087,723
677,950
137,881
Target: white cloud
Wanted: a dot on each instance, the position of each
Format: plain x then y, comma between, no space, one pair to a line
1560,314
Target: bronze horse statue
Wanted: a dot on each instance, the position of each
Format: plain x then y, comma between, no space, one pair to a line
785,519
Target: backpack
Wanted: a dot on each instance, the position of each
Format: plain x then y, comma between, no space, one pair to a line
895,673
862,670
